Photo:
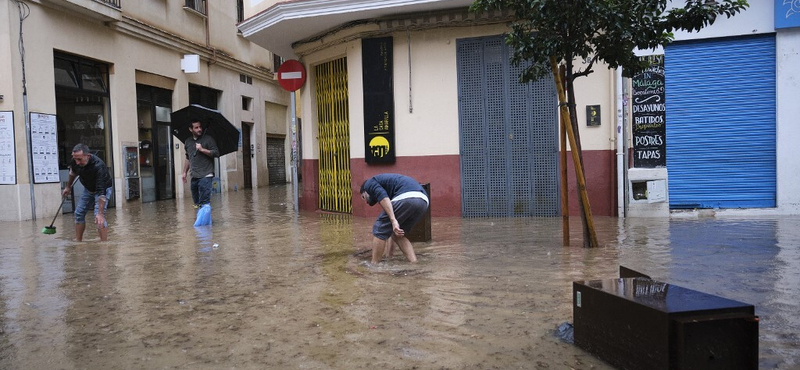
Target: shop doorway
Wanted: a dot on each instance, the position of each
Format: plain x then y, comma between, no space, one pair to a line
153,108
719,153
335,192
276,159
508,132
82,113
208,98
247,154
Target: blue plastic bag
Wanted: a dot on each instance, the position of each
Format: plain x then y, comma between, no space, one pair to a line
203,216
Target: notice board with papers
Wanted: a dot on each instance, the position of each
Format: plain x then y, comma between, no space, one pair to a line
44,144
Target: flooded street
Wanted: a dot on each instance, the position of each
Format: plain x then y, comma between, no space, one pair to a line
267,289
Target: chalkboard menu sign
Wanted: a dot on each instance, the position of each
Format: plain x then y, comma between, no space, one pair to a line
649,115
378,100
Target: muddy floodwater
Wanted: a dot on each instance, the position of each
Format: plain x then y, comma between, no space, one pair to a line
264,288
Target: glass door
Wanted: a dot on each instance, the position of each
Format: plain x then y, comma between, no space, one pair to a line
163,155
146,173
155,143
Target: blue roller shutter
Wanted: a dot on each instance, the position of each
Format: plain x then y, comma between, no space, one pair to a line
720,97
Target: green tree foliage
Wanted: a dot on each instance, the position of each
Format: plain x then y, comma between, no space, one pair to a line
599,30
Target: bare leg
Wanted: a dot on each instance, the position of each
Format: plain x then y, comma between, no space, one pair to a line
377,248
79,228
103,231
406,247
390,251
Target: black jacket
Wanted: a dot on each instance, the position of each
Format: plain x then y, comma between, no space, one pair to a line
94,176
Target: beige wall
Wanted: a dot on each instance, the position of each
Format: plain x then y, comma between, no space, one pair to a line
431,127
223,34
597,89
9,73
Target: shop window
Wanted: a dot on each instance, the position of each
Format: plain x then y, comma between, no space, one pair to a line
204,96
196,5
92,78
65,74
82,107
81,74
277,60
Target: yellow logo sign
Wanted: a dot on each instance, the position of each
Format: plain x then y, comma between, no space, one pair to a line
379,146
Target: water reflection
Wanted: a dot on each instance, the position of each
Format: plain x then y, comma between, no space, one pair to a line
287,290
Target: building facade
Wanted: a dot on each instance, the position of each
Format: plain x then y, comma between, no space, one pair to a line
108,73
426,89
731,116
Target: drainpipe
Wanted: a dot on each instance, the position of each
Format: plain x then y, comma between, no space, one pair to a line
24,12
619,137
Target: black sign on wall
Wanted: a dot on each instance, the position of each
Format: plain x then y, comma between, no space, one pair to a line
378,100
649,115
592,115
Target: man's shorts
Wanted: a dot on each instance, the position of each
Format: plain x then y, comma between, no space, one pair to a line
89,200
407,212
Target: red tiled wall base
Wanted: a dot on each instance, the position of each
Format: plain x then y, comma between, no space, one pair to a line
601,182
441,171
444,174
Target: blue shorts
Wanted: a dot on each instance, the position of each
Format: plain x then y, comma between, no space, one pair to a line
407,212
89,200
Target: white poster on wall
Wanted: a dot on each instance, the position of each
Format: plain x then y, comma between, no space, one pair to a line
44,143
8,159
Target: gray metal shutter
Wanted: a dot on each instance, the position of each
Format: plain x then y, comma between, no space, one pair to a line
508,133
720,97
276,160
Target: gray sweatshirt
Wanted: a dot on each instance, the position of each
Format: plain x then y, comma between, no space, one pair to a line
201,165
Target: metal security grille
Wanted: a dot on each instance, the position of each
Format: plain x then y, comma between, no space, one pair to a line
509,162
276,160
721,123
335,193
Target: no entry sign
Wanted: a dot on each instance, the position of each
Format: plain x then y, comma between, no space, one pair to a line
291,75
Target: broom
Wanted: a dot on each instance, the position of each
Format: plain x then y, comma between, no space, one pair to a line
49,230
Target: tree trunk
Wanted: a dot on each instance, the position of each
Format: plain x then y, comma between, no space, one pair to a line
562,129
589,235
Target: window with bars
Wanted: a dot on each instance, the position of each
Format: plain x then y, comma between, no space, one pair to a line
115,3
277,60
196,5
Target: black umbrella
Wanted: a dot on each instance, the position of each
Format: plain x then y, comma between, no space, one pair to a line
214,124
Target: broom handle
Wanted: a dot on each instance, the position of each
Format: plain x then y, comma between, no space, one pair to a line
62,202
59,211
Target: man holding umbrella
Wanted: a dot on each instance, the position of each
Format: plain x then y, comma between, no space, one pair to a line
206,134
200,153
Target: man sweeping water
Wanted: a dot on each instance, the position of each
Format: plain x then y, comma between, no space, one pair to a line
97,183
200,153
